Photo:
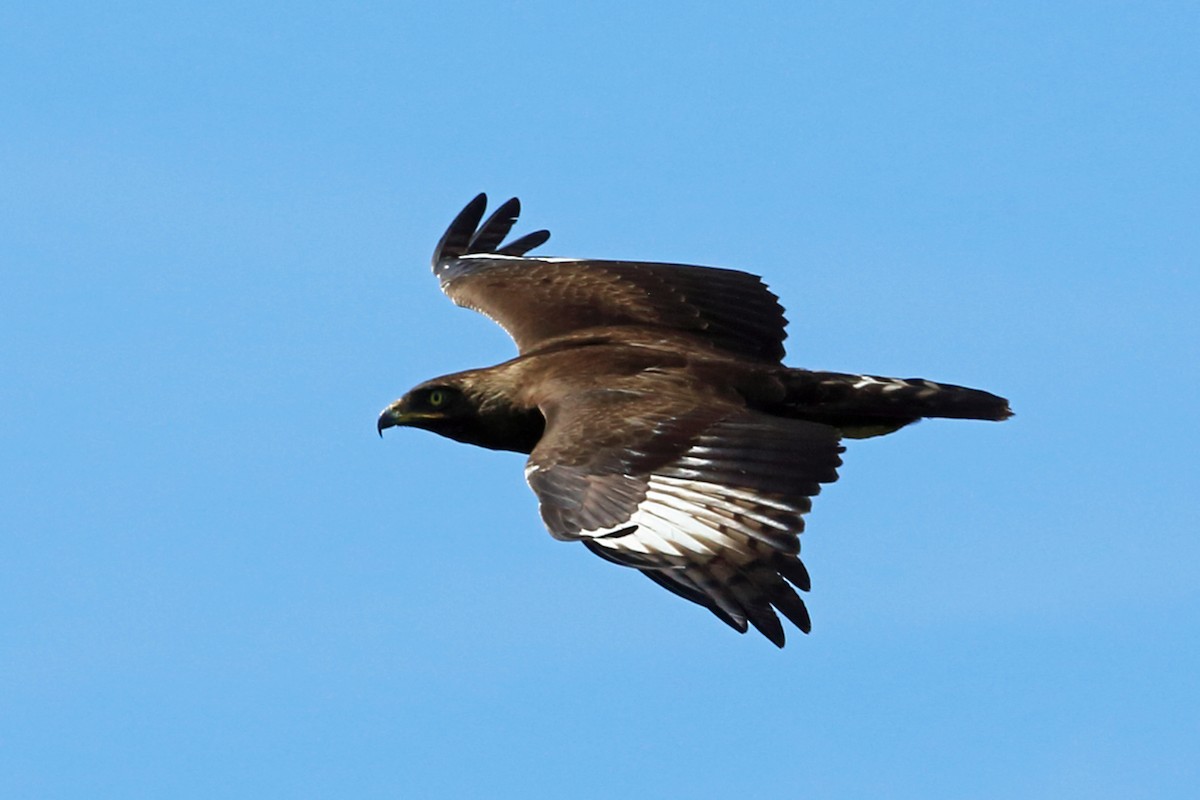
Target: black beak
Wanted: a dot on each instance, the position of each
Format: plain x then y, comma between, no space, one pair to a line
386,420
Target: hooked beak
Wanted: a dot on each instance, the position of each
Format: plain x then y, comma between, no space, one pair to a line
390,418
399,413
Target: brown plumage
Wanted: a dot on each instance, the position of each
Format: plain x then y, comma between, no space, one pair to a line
663,431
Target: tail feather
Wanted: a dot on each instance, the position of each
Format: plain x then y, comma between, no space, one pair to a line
870,405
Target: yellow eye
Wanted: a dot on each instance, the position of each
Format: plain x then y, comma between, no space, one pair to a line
437,397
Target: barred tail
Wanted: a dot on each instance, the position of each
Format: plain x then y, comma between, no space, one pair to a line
869,405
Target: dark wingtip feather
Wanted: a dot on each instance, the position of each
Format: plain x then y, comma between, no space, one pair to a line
492,232
791,605
521,246
457,238
466,235
794,570
768,625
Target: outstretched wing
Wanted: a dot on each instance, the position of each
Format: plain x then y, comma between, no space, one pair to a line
707,501
536,299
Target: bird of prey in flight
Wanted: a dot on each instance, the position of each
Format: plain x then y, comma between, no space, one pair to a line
663,431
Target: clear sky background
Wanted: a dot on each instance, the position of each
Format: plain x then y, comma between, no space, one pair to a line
215,227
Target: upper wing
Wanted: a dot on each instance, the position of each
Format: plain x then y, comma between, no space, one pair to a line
706,501
536,299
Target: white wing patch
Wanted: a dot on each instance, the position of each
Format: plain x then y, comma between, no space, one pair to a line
926,388
682,517
503,257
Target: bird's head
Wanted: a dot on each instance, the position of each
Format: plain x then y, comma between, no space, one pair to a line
468,408
436,405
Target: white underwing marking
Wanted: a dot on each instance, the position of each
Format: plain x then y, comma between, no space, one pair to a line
680,516
506,257
731,491
680,521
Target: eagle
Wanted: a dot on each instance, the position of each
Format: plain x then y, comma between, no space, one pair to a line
663,431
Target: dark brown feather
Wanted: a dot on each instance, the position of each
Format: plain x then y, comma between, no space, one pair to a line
732,310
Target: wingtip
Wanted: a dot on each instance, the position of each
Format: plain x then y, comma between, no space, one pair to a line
466,235
521,246
497,226
457,238
773,632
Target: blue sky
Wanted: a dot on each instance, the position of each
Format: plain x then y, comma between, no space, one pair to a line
215,225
